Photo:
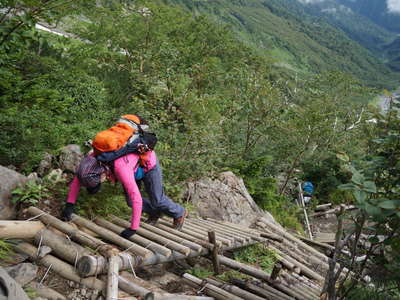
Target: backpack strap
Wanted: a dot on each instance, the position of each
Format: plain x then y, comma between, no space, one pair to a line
141,128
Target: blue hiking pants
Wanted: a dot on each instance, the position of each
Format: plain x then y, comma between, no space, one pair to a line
158,203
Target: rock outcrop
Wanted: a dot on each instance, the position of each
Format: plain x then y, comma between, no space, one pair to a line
225,198
9,180
70,157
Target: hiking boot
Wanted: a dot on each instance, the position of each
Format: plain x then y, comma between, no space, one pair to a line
152,220
178,223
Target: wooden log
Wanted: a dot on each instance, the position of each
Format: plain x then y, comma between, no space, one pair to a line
312,286
273,237
19,229
135,238
228,240
248,237
113,237
333,211
257,273
315,243
267,291
195,247
208,288
184,235
89,265
300,288
129,283
239,227
200,233
234,290
303,269
112,278
165,242
308,249
63,269
74,233
253,235
61,246
323,206
167,296
44,291
275,271
214,253
240,238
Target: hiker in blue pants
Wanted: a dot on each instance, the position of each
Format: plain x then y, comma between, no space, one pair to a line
158,202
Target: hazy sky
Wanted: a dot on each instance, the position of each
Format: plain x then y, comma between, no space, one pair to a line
394,6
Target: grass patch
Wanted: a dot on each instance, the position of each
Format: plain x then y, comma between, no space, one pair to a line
258,255
6,251
201,272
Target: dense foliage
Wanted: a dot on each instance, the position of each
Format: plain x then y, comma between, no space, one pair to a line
215,103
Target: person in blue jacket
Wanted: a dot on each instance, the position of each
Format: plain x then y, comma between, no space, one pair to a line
308,191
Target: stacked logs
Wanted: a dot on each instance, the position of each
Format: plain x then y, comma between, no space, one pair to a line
93,254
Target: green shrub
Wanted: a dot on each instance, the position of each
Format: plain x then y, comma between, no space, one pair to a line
369,293
259,255
30,193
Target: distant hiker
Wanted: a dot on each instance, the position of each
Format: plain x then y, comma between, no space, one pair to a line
308,191
131,170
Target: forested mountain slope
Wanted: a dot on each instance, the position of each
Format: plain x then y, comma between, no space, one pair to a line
385,13
370,23
295,38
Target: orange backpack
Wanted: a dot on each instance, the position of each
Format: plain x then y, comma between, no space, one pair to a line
126,128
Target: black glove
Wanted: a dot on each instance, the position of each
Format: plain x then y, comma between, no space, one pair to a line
127,233
67,212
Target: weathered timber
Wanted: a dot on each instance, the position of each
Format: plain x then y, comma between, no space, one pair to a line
325,237
323,207
43,291
302,291
272,236
304,269
208,288
61,246
60,267
72,232
135,238
173,237
257,273
234,290
254,234
112,277
315,243
230,230
266,291
90,265
308,249
241,239
333,210
168,243
112,237
167,296
198,232
19,229
312,286
186,236
214,253
229,239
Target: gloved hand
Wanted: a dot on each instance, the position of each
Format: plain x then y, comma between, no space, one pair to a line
67,212
127,233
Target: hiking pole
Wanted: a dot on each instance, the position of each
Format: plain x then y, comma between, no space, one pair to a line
305,212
